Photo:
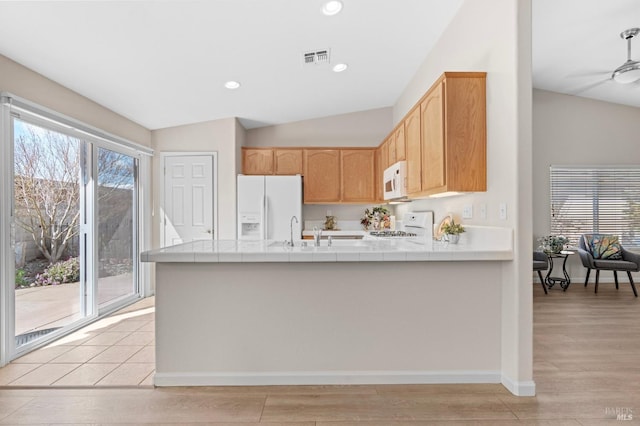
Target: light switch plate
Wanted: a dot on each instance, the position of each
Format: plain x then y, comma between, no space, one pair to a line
483,211
502,211
467,211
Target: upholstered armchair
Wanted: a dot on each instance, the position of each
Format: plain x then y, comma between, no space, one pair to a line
603,252
540,263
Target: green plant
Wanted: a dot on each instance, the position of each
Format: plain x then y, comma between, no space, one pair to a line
21,280
67,271
452,228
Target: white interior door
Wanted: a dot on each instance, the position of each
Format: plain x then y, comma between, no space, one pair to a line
188,198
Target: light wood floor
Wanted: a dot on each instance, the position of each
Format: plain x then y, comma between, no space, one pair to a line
587,366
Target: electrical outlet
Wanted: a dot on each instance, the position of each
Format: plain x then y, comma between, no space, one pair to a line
502,211
483,211
467,211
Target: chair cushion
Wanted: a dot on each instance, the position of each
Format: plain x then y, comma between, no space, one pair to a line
619,265
539,265
603,246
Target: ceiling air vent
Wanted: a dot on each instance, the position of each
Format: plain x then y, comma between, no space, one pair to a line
316,57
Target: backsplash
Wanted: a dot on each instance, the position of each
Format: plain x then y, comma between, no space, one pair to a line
347,215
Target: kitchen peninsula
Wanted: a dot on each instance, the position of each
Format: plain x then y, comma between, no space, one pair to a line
264,313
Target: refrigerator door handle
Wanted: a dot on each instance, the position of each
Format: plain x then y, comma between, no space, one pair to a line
265,217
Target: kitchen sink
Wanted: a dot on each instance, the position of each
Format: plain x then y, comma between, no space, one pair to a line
324,244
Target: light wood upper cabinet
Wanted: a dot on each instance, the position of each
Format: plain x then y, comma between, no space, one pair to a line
433,153
391,146
257,161
384,155
379,196
288,161
321,175
413,151
454,136
399,142
358,175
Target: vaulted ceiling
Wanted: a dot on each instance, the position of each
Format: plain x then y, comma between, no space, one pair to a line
164,63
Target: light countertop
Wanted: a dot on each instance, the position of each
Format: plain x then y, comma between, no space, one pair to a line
478,244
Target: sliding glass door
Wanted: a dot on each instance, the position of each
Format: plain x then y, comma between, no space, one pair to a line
48,190
74,232
116,236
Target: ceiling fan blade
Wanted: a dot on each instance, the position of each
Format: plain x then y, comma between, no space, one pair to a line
590,86
593,73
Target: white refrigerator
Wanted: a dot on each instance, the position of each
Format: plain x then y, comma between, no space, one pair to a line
267,205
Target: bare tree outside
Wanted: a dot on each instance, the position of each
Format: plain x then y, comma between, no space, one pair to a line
47,190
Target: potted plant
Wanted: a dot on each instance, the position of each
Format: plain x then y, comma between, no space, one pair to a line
452,231
553,243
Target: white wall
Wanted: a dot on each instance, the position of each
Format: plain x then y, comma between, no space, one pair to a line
569,130
494,36
23,82
363,128
219,136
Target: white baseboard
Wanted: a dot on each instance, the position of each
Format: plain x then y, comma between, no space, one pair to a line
526,388
325,378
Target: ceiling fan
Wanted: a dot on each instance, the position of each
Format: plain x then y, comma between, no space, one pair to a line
630,70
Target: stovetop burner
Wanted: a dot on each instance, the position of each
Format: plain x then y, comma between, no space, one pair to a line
392,234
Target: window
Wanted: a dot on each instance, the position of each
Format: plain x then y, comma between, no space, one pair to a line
604,200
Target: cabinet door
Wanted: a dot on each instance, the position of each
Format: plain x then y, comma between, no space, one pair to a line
358,175
433,149
399,139
288,161
257,161
378,175
391,144
413,151
465,138
321,175
384,155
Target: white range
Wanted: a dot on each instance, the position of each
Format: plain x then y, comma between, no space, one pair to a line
417,227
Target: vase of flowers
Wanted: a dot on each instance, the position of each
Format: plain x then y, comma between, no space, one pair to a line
378,218
553,243
452,231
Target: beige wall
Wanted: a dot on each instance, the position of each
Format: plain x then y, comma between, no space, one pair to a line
219,136
569,130
498,43
23,82
363,128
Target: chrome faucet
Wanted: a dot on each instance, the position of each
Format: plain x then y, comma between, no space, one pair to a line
291,229
317,235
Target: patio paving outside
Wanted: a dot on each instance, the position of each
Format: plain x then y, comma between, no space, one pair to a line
53,306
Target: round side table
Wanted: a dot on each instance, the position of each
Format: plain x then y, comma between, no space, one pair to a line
563,281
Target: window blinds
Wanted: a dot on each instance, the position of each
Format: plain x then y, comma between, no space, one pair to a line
603,200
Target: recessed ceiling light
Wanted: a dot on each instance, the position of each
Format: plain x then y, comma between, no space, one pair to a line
232,85
332,7
340,67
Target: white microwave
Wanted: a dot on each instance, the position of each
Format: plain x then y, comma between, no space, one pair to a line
395,181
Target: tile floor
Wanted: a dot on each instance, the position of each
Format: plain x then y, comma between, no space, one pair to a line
118,350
